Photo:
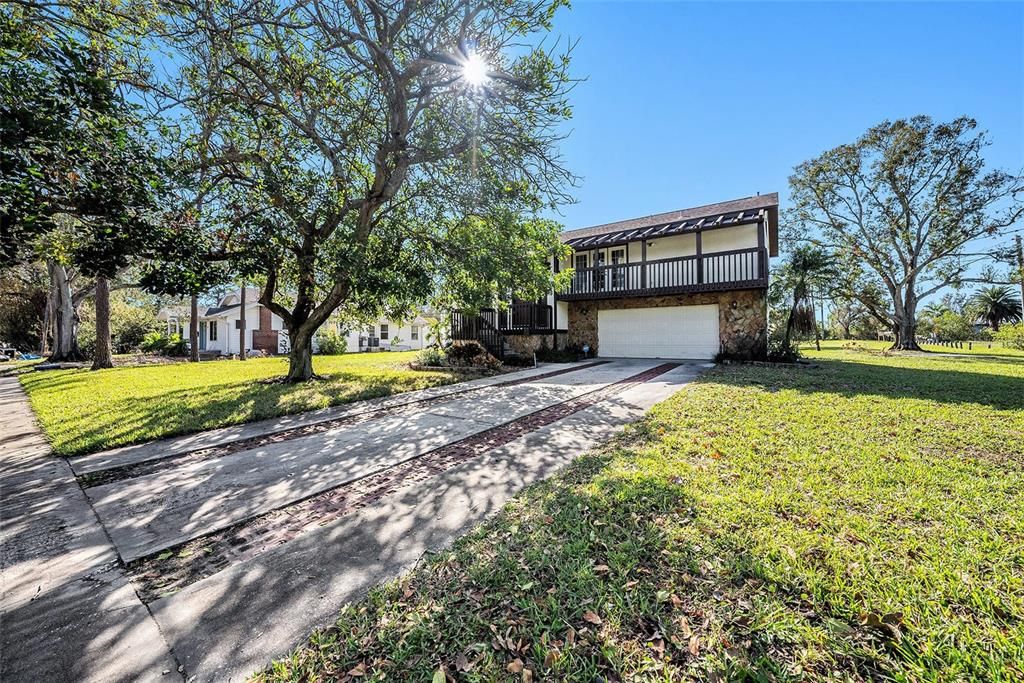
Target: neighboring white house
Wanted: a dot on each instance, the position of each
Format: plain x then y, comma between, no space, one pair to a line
218,325
395,335
218,328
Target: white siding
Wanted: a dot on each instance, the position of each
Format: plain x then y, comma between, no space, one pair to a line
728,239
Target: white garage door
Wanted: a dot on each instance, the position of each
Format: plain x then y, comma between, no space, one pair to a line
664,332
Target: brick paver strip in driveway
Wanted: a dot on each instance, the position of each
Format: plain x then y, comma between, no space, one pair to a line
68,610
149,514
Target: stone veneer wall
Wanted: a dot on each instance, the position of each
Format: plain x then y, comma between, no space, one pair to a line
743,328
528,344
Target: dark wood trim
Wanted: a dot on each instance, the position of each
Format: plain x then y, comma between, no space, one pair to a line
678,275
667,291
700,260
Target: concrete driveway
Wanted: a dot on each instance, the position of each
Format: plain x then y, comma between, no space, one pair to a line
205,557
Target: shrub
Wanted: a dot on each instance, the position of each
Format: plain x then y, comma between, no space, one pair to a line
950,326
331,343
466,353
778,350
430,356
154,342
1011,335
129,326
176,346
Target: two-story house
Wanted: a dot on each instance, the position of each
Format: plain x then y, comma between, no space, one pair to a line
684,284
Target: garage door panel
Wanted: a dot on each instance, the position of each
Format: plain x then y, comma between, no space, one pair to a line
659,332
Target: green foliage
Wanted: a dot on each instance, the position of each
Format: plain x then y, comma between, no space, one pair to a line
372,185
83,412
766,524
431,356
332,343
903,210
995,305
782,349
154,342
1011,335
74,156
950,326
22,303
131,322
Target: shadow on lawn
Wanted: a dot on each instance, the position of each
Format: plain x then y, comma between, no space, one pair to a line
175,412
852,378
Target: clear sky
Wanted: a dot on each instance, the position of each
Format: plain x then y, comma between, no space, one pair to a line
688,103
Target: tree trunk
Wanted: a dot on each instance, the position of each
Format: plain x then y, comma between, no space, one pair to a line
44,337
65,317
906,334
103,357
193,331
241,327
995,324
300,358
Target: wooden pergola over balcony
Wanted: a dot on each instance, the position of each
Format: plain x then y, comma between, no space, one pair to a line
745,268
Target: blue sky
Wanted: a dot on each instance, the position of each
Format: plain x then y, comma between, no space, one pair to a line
687,103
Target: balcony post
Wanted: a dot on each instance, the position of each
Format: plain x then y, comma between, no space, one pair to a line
762,267
700,261
643,264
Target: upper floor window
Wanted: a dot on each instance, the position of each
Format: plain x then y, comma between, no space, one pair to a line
415,332
581,261
383,331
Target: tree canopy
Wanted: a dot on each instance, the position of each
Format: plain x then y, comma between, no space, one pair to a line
904,209
342,157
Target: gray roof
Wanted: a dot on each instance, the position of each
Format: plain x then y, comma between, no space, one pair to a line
215,310
734,212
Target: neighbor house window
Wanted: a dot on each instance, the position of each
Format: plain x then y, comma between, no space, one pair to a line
213,331
415,332
383,331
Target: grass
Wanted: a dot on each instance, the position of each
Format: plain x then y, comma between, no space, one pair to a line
862,520
83,411
977,348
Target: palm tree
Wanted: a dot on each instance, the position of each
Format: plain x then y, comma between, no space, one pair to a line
995,305
807,268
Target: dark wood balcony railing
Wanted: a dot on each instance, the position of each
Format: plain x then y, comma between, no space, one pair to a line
737,269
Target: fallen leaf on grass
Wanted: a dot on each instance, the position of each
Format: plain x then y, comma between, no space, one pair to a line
462,664
694,645
515,666
408,593
591,617
358,670
601,569
439,677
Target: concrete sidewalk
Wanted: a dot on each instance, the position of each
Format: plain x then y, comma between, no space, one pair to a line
68,611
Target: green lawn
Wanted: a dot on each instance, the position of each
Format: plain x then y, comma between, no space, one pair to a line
862,520
83,411
977,348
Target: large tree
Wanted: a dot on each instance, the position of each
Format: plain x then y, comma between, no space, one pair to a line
905,209
79,180
365,155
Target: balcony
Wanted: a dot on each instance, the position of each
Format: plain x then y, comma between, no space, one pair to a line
724,270
519,318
